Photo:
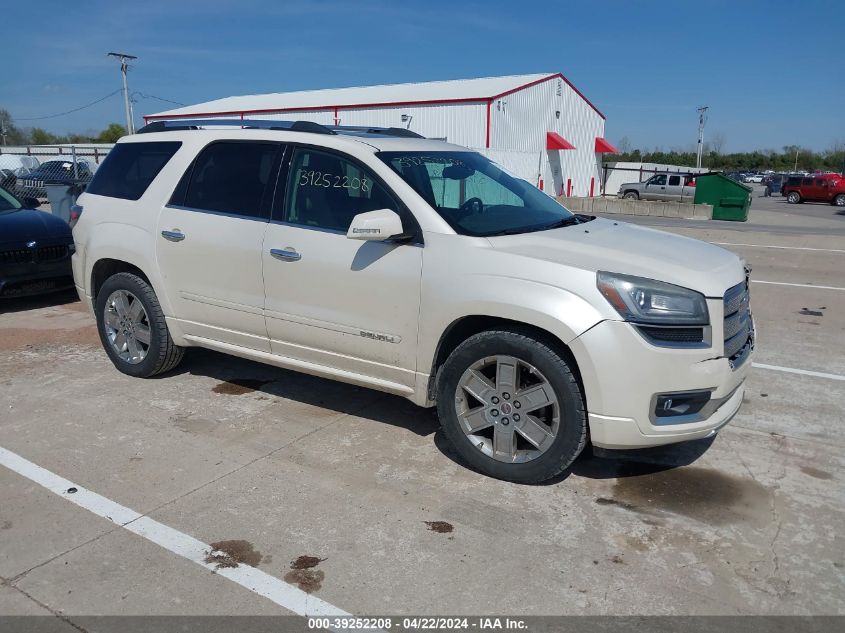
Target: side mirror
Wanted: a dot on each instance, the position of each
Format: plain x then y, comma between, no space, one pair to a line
378,225
31,203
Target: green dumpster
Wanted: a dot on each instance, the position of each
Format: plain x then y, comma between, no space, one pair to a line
730,199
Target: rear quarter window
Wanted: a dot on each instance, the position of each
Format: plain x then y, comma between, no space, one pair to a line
130,168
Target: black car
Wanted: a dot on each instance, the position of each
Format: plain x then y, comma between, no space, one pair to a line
35,249
55,172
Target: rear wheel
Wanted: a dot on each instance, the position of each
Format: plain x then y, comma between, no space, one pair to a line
839,200
511,407
132,328
793,197
631,195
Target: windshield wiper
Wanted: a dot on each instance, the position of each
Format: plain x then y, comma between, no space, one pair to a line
576,218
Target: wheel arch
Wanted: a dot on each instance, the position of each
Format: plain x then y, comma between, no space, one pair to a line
464,327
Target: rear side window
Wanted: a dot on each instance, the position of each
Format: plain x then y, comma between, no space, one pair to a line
232,177
674,180
130,168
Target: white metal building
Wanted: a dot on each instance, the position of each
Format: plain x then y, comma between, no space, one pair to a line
537,126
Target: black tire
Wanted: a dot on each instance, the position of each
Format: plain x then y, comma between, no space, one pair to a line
631,195
572,434
839,200
793,197
163,354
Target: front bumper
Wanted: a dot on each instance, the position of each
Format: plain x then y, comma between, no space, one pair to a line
622,373
31,278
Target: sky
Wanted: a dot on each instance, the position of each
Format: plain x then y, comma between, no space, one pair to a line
770,72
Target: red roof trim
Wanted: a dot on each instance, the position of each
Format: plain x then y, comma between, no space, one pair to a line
556,141
149,117
604,147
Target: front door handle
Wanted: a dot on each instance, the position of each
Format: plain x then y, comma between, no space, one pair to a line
173,236
285,254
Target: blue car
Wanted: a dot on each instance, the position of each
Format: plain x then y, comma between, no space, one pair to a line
774,183
35,249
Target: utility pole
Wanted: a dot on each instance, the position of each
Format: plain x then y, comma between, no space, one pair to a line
796,160
124,66
702,119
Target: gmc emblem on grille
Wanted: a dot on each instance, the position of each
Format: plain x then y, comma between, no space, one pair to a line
31,244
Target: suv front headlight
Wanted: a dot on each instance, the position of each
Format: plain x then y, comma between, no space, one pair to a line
651,302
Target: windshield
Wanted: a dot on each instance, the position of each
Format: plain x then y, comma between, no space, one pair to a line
474,195
8,202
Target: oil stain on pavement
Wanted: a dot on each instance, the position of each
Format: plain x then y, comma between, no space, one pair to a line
303,574
232,553
698,493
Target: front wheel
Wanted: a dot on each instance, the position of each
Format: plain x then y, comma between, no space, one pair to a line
511,406
794,197
631,195
132,328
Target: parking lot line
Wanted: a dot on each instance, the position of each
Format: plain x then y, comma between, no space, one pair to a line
788,248
784,283
803,372
274,589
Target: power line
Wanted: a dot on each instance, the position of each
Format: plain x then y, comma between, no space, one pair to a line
146,96
53,116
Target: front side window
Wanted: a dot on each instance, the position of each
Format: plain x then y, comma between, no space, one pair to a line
807,182
7,201
474,195
326,191
130,168
232,177
658,180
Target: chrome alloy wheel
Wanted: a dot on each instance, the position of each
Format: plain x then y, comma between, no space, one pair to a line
507,409
127,326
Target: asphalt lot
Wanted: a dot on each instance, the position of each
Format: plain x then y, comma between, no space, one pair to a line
295,466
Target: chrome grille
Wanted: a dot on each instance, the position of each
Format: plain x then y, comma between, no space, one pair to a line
738,326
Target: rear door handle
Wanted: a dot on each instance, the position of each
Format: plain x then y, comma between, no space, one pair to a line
285,254
173,236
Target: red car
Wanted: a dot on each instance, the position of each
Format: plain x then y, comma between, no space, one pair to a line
828,188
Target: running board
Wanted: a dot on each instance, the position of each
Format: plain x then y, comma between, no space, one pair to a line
303,366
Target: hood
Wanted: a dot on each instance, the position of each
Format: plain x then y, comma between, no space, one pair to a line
618,247
24,225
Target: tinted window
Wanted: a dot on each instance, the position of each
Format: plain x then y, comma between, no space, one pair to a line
674,180
327,191
807,181
130,168
232,177
658,180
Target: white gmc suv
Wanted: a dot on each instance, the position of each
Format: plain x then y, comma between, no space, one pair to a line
412,266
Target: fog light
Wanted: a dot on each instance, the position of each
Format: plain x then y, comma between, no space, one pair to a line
672,405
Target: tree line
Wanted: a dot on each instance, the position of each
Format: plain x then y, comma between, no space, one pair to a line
789,158
12,134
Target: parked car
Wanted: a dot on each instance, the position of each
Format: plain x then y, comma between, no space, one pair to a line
53,172
19,164
828,188
773,183
419,268
661,187
754,178
35,249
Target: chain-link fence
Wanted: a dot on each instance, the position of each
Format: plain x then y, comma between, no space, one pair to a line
29,171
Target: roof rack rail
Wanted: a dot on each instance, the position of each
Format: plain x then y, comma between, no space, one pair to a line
263,124
385,131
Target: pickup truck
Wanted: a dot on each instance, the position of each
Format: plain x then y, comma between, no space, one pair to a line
661,187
